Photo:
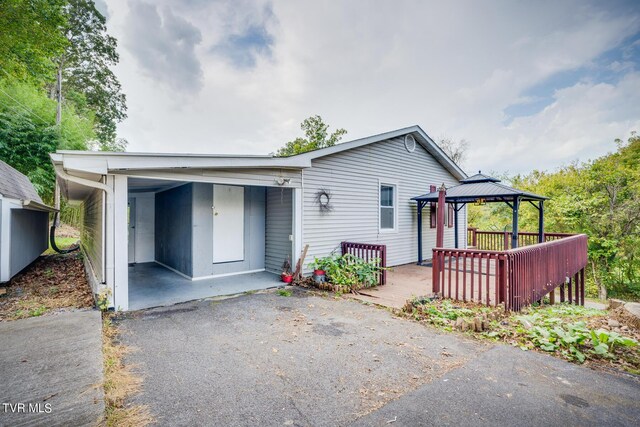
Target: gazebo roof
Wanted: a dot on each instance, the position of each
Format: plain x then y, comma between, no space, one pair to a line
480,186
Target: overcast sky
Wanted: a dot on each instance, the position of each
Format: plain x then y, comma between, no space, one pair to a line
531,85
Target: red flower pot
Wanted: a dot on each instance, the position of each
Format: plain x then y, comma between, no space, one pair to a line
287,278
319,272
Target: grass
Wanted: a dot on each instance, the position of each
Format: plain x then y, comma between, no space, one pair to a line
61,243
284,293
571,332
120,383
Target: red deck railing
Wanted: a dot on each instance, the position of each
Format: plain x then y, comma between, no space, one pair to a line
368,252
516,277
501,240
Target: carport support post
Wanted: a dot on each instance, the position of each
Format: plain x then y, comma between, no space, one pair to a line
420,206
120,249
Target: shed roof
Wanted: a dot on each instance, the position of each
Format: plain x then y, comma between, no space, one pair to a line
480,186
16,185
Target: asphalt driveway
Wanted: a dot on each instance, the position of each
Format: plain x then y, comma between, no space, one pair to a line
266,359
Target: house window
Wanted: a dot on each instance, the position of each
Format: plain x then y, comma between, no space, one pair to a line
387,207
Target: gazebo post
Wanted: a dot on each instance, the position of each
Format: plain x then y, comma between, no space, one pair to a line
541,221
420,206
514,233
442,191
455,224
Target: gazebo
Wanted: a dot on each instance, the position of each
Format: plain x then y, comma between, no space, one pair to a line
478,188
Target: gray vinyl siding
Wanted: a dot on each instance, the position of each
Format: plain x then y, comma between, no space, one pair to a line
352,178
254,232
92,232
28,237
173,228
278,228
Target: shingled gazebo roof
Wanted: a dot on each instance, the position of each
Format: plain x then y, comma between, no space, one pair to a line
480,186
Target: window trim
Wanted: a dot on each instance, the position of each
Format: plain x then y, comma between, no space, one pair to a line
395,186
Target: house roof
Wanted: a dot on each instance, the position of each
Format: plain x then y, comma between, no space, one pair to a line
420,135
15,185
480,186
102,162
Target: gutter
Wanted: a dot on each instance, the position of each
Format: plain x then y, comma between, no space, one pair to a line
37,206
108,264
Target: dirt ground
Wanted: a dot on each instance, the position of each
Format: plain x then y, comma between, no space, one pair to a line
52,282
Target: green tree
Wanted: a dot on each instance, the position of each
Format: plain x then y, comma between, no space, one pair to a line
600,198
85,67
30,37
28,132
316,136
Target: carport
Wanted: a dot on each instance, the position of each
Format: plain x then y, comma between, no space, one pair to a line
164,228
191,240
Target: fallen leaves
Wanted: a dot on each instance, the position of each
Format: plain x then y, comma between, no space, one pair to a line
51,282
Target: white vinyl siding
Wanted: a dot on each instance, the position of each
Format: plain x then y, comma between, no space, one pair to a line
92,232
353,180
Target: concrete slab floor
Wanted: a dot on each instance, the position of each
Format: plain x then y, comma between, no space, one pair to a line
152,285
52,360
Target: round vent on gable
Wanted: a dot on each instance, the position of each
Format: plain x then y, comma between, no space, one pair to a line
410,143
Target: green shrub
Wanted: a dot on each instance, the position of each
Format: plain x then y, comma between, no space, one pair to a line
349,270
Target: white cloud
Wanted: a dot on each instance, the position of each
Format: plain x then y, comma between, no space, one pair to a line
372,67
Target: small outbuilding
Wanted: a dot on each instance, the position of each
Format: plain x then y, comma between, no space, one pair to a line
24,222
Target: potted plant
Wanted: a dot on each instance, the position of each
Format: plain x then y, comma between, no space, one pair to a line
286,276
319,266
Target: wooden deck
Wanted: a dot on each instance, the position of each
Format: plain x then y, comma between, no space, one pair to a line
403,282
410,280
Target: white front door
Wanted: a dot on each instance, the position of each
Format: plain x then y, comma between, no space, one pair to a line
228,223
131,218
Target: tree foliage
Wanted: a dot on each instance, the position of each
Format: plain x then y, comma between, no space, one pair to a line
86,62
28,133
316,136
37,38
30,38
600,198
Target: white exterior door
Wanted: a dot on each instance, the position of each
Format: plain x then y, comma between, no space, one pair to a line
228,223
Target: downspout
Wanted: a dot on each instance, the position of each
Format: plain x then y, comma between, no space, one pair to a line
108,264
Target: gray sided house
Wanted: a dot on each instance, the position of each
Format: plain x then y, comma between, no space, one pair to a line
24,222
163,228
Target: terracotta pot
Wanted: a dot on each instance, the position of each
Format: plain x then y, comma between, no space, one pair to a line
287,278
